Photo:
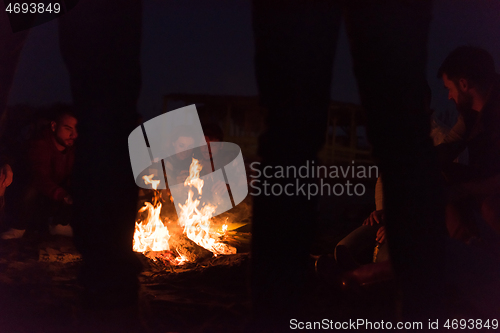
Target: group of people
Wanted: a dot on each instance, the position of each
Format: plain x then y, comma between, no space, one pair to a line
472,188
294,51
40,198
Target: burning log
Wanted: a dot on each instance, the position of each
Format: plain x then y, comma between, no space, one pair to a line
194,236
189,249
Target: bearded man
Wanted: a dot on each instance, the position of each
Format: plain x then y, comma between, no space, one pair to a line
469,75
43,197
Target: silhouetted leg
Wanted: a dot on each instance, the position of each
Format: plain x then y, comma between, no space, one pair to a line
100,43
295,46
389,48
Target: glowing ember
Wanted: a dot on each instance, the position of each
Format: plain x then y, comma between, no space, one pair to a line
181,259
167,257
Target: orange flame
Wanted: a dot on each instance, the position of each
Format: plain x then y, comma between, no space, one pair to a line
151,234
196,220
194,176
149,180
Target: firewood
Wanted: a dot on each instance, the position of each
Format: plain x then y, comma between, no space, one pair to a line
190,250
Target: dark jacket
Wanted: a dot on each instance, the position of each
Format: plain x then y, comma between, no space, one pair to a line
480,133
50,168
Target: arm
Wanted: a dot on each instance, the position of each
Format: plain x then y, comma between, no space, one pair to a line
39,158
377,216
453,144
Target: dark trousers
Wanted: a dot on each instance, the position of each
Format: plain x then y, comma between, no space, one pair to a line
470,198
295,47
31,210
357,248
100,44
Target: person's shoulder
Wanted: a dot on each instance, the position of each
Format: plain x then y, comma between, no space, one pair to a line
41,141
44,145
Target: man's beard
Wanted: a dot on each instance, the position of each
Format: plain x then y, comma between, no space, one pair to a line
464,103
62,142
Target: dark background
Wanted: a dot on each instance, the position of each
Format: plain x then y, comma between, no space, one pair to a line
199,47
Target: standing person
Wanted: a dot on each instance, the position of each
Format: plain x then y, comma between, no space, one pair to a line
295,46
12,45
100,45
473,84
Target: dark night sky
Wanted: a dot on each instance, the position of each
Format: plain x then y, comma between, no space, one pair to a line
200,47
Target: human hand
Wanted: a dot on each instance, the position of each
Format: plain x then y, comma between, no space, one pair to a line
68,200
376,217
380,235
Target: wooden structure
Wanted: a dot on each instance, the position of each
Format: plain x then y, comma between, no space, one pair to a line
243,119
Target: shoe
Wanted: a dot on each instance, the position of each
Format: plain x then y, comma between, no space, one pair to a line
62,230
12,234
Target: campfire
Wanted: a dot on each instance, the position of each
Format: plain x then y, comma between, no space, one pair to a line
195,222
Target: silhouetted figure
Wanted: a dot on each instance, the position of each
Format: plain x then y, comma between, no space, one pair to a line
473,84
100,44
295,46
42,188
